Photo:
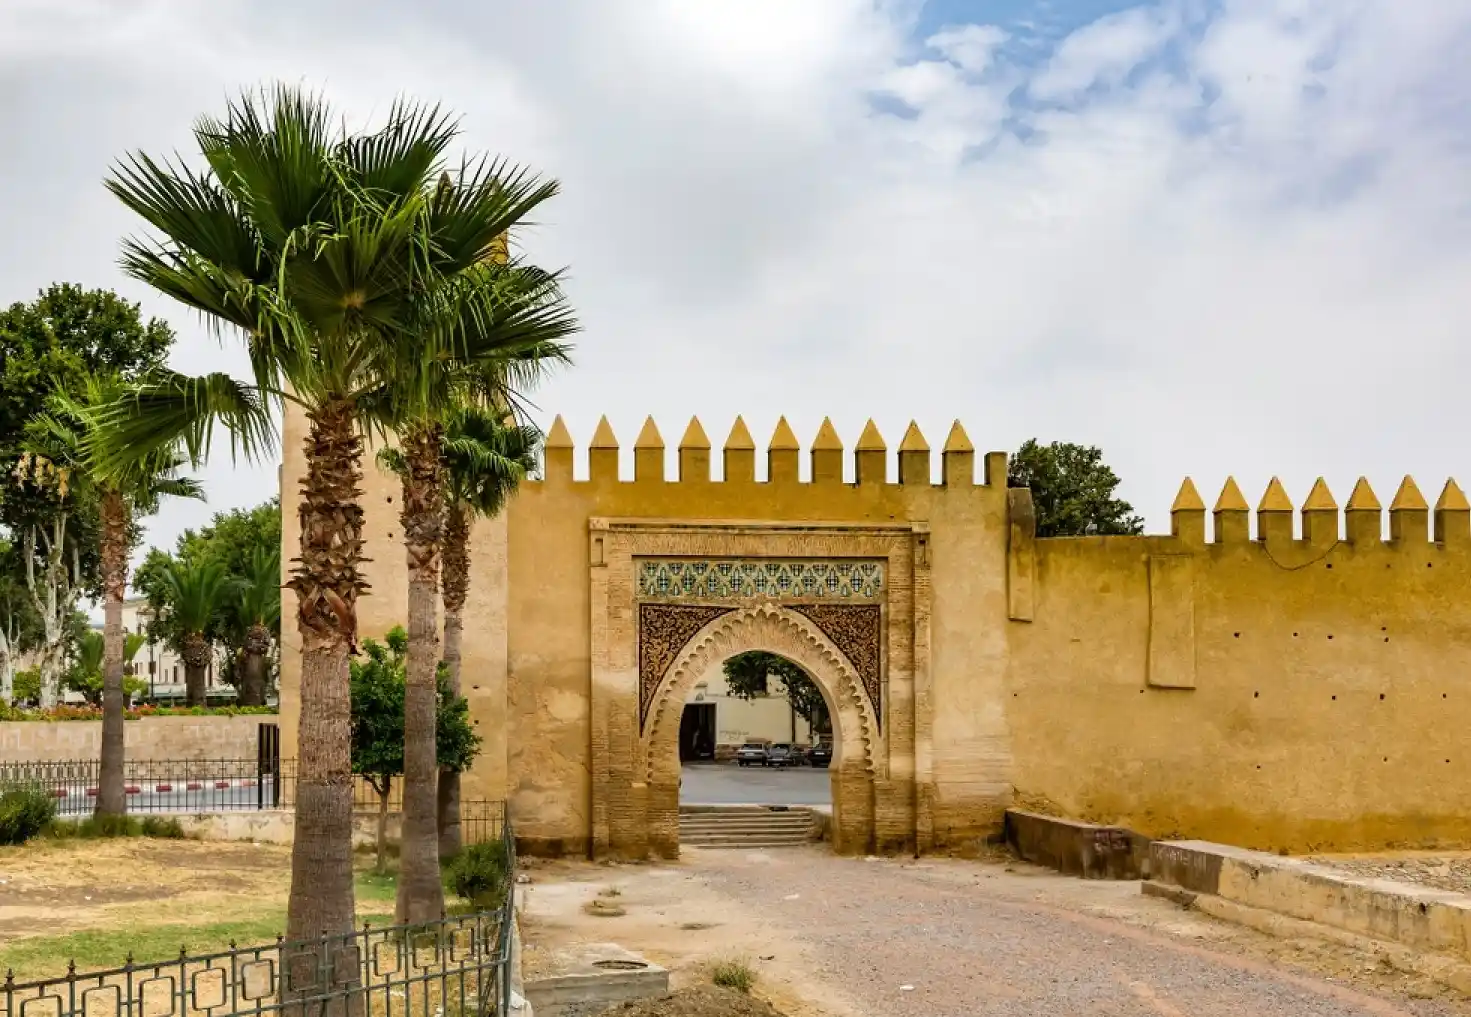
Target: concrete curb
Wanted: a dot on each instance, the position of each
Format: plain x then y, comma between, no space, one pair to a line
1076,849
1414,928
1445,970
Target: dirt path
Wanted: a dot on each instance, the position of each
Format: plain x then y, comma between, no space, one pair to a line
936,938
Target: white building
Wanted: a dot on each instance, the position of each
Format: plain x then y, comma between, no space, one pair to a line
714,719
157,664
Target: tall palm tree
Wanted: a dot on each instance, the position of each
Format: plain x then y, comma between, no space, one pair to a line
258,596
196,593
351,276
485,459
67,434
420,465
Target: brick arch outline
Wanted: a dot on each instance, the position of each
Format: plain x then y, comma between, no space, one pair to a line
765,626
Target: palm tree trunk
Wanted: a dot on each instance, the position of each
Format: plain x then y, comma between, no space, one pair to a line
253,670
196,664
455,587
111,792
420,892
327,583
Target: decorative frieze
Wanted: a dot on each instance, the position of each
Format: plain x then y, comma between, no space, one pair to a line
663,630
734,579
857,630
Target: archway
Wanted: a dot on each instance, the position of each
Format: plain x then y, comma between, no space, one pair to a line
780,630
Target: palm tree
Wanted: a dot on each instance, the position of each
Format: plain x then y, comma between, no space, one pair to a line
352,278
67,435
485,460
196,595
258,596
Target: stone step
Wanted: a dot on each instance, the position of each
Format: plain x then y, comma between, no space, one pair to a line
746,827
744,845
731,810
745,835
742,820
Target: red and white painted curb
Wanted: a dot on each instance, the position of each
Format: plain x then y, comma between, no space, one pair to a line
162,788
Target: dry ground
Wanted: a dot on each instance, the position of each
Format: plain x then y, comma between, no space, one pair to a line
854,937
95,900
1443,870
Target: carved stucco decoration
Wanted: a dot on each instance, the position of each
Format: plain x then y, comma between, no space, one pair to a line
857,630
663,630
778,629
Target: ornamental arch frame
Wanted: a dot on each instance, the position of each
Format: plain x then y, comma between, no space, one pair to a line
872,665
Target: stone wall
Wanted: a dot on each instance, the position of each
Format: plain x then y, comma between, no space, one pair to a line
145,738
1257,687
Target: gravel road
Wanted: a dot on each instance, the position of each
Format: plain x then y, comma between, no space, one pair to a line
944,940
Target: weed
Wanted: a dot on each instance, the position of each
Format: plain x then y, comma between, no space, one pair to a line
97,827
733,974
481,873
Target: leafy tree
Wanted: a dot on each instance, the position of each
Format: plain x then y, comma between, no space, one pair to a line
352,277
195,595
1072,490
233,540
747,674
378,684
20,624
54,344
124,493
485,457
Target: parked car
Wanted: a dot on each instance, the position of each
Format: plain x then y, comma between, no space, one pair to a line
782,754
751,754
821,755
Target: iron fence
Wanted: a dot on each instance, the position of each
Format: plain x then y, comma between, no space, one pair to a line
455,967
181,785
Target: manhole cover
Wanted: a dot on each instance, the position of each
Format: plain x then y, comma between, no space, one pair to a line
619,965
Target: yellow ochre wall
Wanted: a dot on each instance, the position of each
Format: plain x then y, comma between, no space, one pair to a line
1055,665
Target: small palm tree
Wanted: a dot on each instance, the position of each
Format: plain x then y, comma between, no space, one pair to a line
69,434
485,460
195,596
258,595
352,276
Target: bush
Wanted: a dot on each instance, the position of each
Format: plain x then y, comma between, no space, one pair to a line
481,874
24,812
162,827
733,974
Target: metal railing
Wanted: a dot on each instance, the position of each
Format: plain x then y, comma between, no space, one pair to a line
181,785
455,967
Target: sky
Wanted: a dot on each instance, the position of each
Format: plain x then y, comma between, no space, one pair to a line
1211,237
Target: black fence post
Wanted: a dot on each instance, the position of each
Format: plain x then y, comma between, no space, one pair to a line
268,764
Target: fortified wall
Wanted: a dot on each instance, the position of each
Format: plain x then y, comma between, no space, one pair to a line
1253,688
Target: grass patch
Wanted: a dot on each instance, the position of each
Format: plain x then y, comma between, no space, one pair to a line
733,974
372,886
44,956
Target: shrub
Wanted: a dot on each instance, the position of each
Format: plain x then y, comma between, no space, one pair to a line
162,827
481,874
733,974
24,812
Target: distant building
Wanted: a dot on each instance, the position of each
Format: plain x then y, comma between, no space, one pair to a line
717,721
157,664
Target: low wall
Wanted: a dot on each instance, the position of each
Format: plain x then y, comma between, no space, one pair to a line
1077,849
278,826
207,737
1252,883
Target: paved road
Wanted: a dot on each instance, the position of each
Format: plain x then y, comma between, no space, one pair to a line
729,784
973,940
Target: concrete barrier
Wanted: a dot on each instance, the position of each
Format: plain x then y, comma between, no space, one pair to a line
1251,887
277,826
1076,849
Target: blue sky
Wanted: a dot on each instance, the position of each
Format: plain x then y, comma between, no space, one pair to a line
1225,237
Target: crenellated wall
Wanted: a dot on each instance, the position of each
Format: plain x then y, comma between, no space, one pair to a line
1257,689
1261,689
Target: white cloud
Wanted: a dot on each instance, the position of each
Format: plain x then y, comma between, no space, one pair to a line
1250,257
972,48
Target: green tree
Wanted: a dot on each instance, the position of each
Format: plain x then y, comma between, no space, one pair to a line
485,457
54,344
124,493
195,595
747,676
1072,490
378,683
233,540
20,624
353,277
86,674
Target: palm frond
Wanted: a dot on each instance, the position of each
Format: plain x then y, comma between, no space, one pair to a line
486,458
169,410
398,160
